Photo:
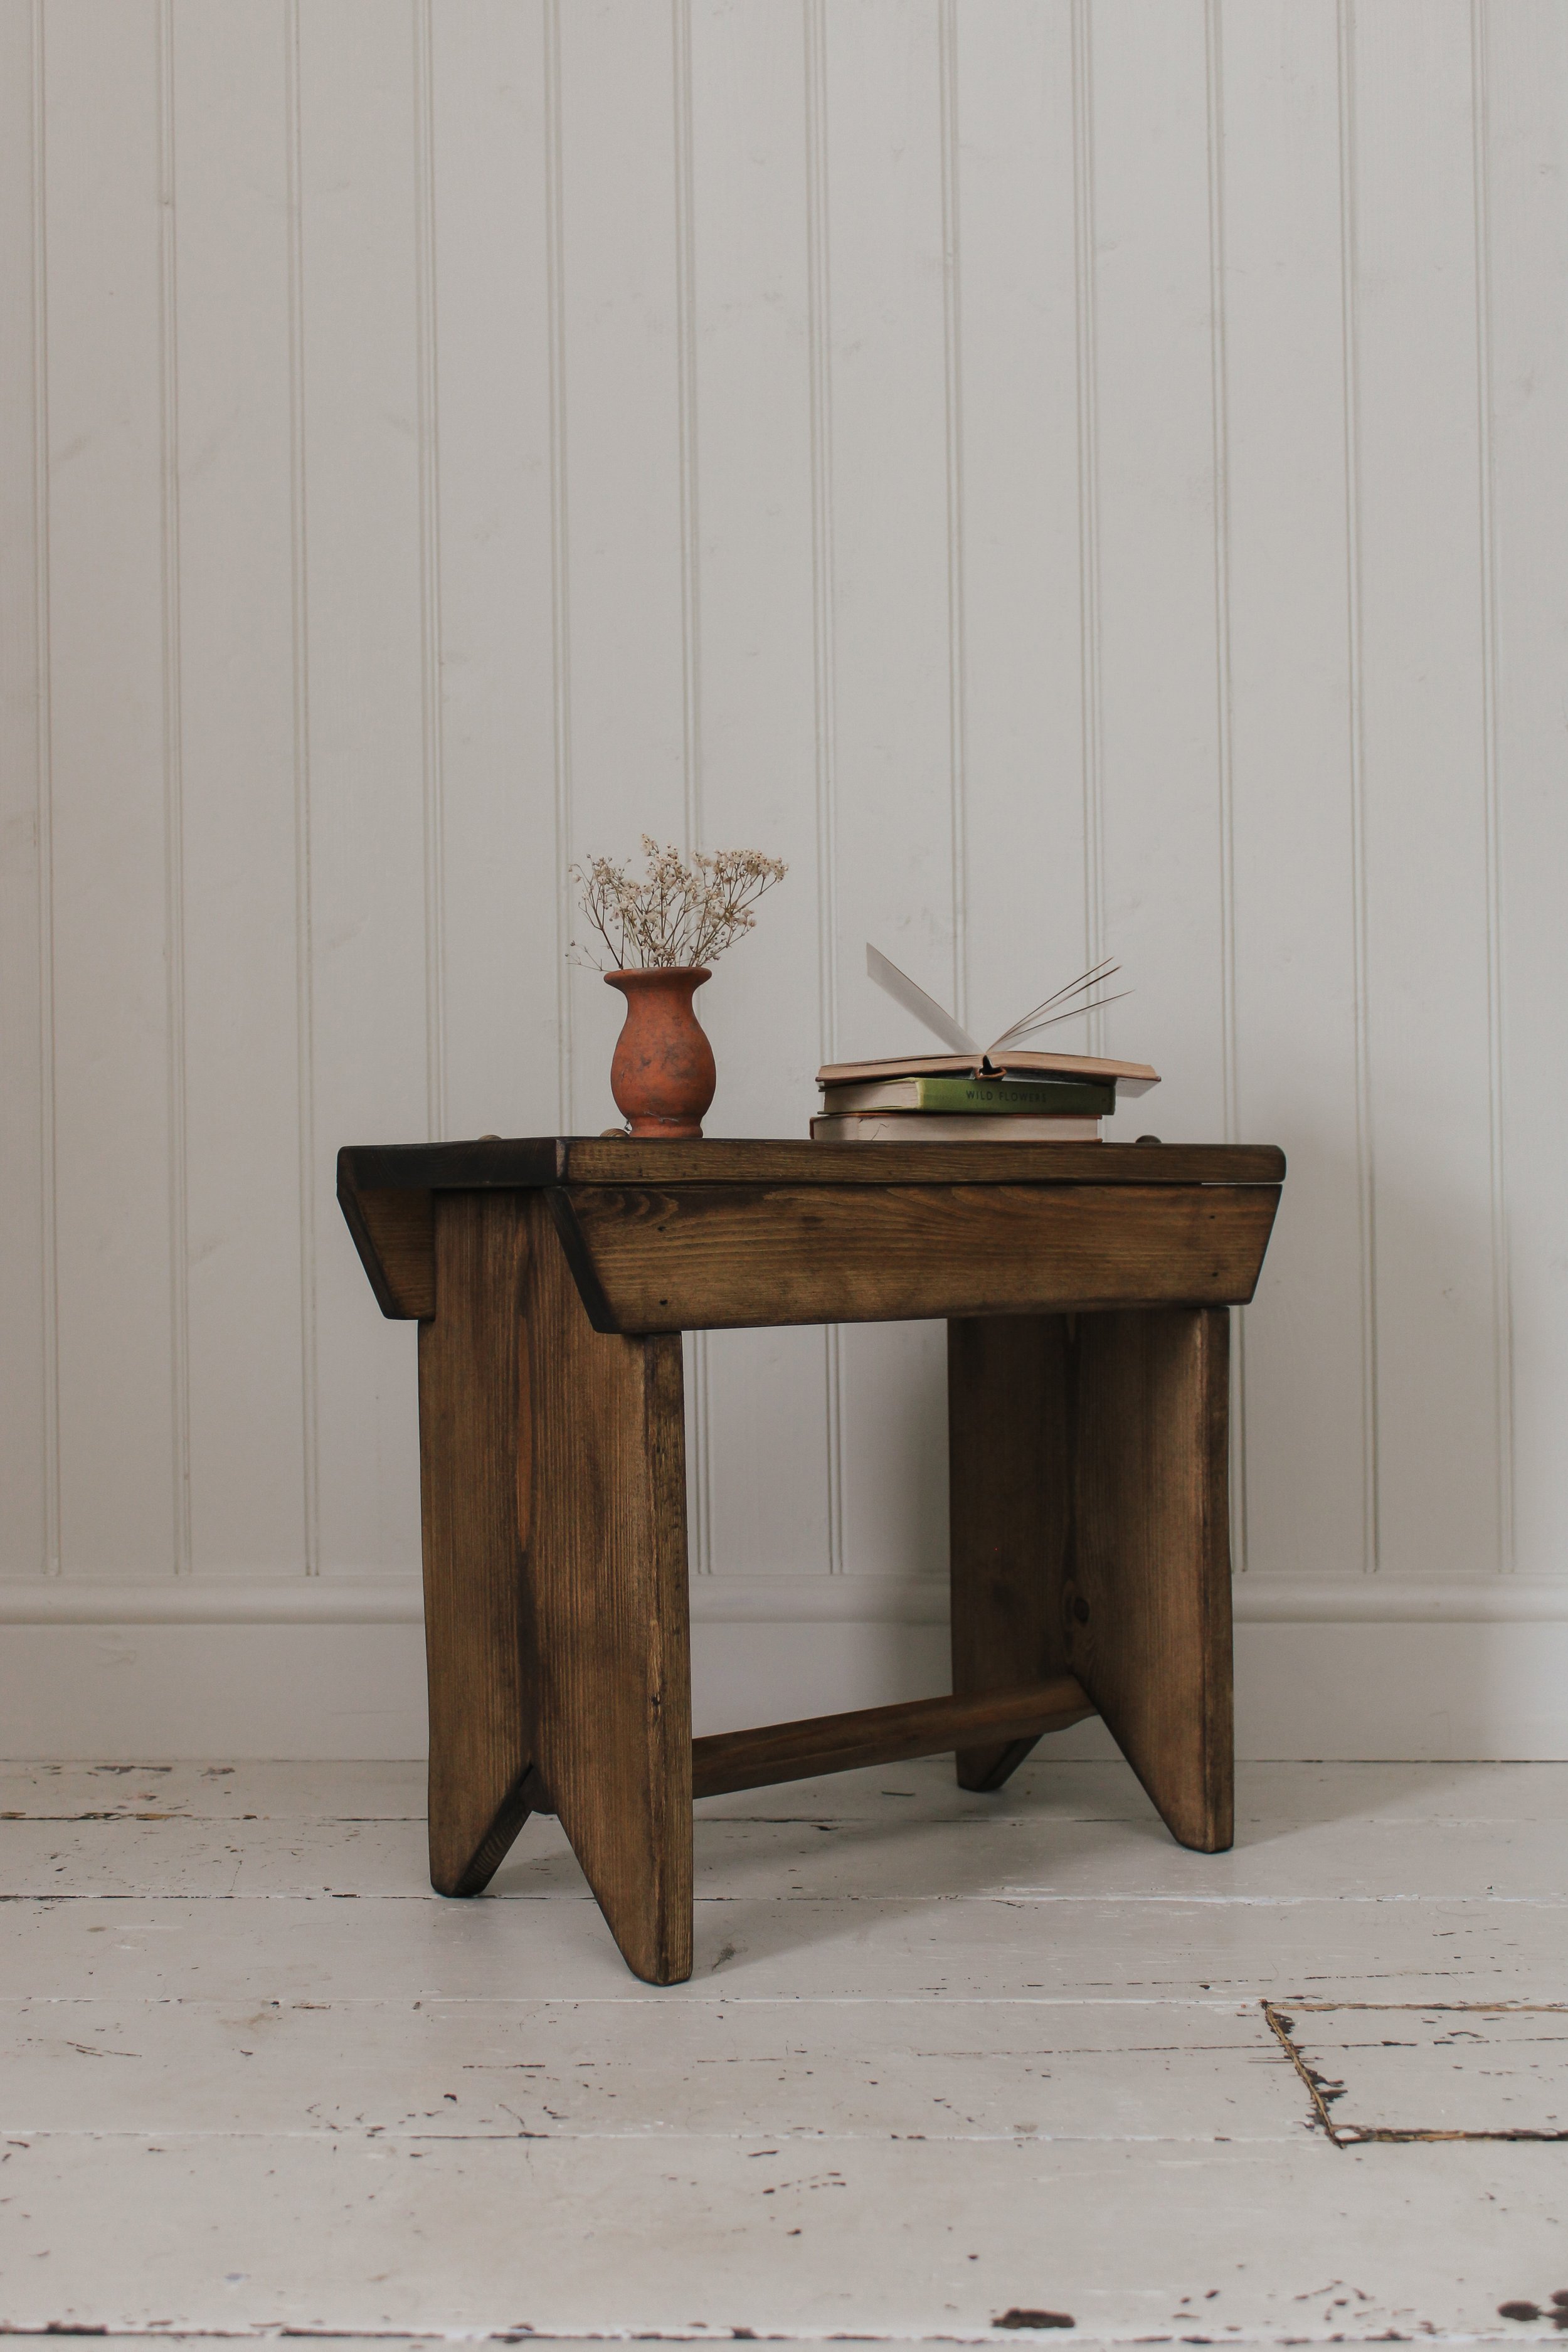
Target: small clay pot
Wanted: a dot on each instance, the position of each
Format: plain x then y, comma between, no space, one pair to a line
662,1076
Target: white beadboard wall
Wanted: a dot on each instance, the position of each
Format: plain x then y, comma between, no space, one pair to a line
1073,476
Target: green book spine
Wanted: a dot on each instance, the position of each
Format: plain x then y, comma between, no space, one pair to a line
1071,1098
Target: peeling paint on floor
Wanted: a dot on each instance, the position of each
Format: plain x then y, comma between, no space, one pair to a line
1478,2059
951,2068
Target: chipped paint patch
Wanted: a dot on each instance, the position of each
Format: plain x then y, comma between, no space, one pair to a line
1460,2069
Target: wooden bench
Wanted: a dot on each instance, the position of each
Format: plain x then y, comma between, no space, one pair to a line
1087,1290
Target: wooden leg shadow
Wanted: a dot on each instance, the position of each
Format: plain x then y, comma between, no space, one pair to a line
472,1405
1010,1486
1090,1536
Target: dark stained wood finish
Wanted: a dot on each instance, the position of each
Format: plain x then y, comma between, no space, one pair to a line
1148,1600
525,1161
882,1734
706,1257
395,1243
1010,1512
605,1546
552,1486
1086,1289
473,1406
394,1234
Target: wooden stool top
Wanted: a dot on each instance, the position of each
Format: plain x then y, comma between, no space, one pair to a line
708,1236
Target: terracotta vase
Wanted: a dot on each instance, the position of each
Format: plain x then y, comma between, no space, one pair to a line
662,1076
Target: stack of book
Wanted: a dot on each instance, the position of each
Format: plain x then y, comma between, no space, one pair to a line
979,1094
950,1098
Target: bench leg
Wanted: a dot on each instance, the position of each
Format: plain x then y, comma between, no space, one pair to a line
553,1487
1148,1599
1010,1487
477,1644
604,1540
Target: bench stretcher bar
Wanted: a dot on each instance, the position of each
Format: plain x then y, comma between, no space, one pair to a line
882,1734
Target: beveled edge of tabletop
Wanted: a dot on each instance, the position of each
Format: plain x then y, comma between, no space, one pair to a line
526,1163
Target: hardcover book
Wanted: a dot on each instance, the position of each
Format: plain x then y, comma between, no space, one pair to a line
1005,1056
1044,1098
916,1127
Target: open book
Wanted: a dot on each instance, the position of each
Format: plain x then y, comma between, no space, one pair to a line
1006,1055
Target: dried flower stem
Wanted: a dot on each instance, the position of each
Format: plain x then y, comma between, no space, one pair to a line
676,914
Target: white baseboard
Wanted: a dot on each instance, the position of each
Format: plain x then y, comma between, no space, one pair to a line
157,1688
334,1667
804,1599
146,1691
1392,1688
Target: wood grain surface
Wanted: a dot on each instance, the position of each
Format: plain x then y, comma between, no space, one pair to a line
384,1189
394,1234
883,1735
1148,1599
606,1547
536,1160
474,1480
710,1256
1009,1513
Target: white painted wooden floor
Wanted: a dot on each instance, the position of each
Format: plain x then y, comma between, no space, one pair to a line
944,2059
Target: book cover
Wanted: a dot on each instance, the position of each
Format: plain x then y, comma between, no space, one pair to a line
924,1127
1045,1097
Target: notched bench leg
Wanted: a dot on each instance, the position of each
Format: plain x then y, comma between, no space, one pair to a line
553,1475
1010,1487
1147,1606
472,1377
605,1553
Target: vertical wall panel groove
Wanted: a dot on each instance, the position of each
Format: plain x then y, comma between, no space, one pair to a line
1363,1104
759,1499
174,801
430,577
1290,901
490,523
233,731
1524,76
1213,23
686,367
1502,1286
821,363
560,638
1152,300
369,804
117,1196
304,985
25,1273
820,334
699,1413
1212,35
45,688
892,703
953,353
1421,596
1009,127
1094,913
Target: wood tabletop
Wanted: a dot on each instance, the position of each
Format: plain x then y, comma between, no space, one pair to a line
526,1163
713,1235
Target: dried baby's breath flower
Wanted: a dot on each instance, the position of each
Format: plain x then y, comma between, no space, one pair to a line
676,914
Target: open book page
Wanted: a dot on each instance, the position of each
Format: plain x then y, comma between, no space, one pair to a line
926,1009
1132,1078
1006,1051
